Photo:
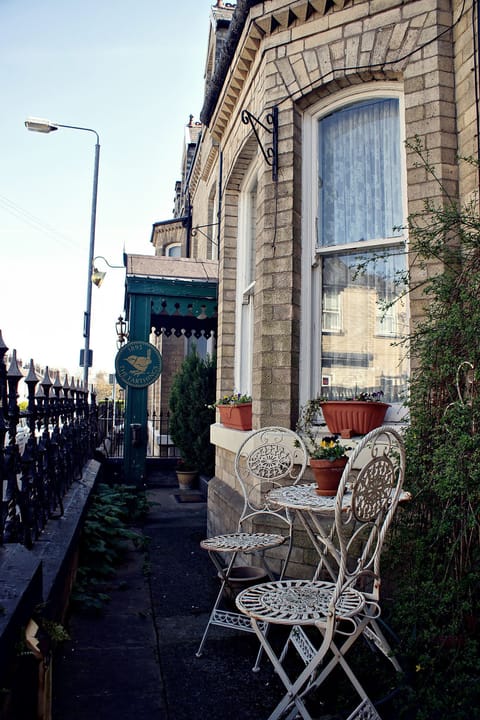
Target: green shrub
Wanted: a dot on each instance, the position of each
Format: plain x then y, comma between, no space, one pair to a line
193,391
106,536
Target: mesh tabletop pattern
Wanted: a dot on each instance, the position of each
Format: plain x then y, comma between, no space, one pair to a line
242,542
300,602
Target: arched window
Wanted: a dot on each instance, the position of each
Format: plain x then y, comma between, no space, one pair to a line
354,246
174,250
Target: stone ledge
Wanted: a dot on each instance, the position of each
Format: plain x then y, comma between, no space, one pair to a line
44,574
58,543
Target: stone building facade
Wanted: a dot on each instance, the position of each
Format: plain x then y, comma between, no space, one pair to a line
388,74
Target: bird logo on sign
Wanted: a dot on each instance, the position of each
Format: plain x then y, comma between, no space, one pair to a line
140,362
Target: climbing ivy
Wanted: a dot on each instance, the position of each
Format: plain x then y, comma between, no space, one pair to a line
433,560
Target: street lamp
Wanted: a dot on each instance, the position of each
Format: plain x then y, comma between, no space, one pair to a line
45,126
122,331
98,276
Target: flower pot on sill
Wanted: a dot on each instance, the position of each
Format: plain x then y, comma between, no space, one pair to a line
327,474
238,417
353,417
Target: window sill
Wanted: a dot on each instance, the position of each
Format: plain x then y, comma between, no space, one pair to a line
226,438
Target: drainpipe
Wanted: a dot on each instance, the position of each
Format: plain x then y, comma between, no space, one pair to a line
220,198
476,61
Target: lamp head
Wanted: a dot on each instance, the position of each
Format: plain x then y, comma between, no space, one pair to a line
40,125
97,277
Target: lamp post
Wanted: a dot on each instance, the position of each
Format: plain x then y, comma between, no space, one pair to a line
45,126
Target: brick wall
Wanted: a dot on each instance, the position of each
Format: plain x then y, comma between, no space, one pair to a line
293,58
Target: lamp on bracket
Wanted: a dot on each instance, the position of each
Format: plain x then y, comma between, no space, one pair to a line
122,331
98,276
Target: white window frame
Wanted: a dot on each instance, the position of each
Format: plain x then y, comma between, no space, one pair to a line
245,285
310,337
173,246
212,227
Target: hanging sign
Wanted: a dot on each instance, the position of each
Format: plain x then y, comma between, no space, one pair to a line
138,364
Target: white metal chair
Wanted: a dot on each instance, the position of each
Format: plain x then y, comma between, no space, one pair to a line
341,609
268,458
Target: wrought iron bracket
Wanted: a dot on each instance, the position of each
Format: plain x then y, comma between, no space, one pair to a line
270,154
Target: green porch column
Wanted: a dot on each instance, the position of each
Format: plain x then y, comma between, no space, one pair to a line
136,398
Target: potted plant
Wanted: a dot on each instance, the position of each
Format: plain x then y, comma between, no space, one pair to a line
354,416
328,456
328,462
191,415
186,474
235,411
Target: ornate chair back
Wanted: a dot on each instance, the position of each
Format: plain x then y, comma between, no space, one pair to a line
373,478
270,457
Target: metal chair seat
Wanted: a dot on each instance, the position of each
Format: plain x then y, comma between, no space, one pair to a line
242,542
298,602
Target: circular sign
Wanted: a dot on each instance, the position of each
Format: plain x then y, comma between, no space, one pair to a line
138,364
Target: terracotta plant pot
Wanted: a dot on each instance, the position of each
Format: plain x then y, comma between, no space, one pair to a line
186,479
353,417
327,474
238,417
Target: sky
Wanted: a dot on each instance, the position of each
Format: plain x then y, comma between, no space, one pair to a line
133,72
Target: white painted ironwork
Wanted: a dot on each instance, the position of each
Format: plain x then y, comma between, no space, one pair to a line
242,542
299,602
267,459
364,711
225,618
348,604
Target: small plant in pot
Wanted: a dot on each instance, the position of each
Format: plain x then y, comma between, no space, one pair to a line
328,456
328,460
235,411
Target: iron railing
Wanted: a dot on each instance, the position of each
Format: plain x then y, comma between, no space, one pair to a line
42,448
111,432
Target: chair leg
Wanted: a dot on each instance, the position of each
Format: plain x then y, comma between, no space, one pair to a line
293,702
199,652
375,635
310,678
224,575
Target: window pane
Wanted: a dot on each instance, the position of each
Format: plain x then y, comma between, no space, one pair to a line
363,322
359,181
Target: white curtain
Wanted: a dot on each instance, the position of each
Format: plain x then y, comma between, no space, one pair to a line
359,180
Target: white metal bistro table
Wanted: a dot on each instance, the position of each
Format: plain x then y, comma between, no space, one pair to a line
311,509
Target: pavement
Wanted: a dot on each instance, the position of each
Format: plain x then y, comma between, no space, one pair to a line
137,661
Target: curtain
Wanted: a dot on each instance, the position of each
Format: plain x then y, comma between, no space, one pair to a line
359,180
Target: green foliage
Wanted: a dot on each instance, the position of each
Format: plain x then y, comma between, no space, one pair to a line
106,536
235,398
434,557
191,414
319,447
